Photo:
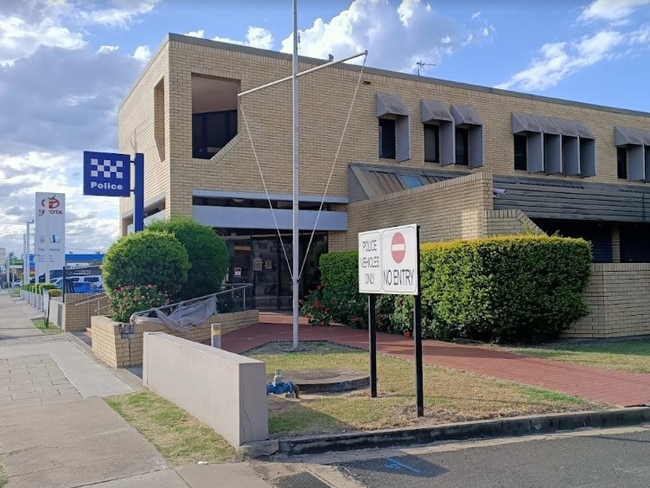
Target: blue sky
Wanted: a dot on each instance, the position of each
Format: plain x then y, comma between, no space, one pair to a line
65,65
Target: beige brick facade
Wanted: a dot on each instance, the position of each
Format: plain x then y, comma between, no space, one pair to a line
325,101
156,119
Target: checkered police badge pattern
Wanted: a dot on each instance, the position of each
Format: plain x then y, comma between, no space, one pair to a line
107,174
106,168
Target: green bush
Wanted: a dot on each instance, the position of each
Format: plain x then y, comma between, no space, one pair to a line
207,253
146,258
55,292
504,289
127,300
338,299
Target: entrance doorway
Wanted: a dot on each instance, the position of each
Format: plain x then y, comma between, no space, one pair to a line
260,259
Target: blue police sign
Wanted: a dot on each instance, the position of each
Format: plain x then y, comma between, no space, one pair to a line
107,174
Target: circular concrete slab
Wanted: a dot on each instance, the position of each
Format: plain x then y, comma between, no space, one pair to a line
327,380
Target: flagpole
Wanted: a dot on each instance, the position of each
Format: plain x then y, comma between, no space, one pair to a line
295,246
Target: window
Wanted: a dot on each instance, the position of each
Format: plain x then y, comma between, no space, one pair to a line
521,152
431,143
387,138
410,181
211,131
468,136
394,127
553,146
621,163
462,146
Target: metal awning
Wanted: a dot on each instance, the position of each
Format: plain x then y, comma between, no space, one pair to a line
524,123
434,110
547,125
465,114
389,104
625,136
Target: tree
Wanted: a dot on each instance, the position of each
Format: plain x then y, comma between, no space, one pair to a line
207,253
146,258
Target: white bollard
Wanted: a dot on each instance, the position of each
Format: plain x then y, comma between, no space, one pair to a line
216,335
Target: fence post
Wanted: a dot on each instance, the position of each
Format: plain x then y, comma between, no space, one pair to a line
216,335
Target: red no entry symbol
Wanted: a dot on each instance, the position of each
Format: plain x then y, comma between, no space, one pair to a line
398,247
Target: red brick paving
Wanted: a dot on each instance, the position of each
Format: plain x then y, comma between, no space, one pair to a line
612,387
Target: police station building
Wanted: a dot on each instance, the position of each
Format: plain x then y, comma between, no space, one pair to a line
377,149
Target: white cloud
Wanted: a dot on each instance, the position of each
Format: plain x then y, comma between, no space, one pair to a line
197,33
392,35
19,39
107,49
127,13
259,37
142,53
90,221
562,59
616,11
255,37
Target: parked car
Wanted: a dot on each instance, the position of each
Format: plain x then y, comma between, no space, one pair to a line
58,282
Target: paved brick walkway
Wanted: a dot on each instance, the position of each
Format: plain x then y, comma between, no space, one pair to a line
612,387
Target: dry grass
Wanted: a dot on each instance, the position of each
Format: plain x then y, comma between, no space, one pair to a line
178,436
449,396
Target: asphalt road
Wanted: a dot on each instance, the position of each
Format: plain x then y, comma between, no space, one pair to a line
594,458
599,459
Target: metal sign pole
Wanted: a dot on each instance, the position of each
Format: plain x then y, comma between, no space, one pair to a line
138,193
372,331
417,329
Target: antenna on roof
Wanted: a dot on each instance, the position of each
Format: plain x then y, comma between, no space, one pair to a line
421,64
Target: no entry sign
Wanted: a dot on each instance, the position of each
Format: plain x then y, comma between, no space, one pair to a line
388,261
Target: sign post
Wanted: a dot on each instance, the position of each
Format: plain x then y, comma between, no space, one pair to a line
389,262
109,175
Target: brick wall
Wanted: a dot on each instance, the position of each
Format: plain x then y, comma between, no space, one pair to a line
451,209
79,307
118,351
617,297
325,100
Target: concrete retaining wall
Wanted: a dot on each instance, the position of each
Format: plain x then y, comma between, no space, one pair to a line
224,390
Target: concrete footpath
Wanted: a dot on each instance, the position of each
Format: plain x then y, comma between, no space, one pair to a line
57,432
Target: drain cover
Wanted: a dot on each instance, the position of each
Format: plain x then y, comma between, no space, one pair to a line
300,480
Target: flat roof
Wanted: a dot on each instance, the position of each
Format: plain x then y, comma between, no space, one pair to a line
391,74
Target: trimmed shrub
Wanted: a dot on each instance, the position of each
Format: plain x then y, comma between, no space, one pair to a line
501,289
207,253
146,258
338,299
504,289
127,300
55,292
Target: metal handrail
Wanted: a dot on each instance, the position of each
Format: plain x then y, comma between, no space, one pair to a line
237,287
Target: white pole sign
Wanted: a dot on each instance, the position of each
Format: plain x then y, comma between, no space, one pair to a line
388,261
49,235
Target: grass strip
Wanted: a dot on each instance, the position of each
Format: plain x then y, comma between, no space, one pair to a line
449,395
178,437
627,356
45,327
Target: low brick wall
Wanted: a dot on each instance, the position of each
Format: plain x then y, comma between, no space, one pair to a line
115,347
80,307
617,296
224,390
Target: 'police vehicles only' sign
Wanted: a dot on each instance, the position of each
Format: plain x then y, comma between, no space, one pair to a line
388,261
